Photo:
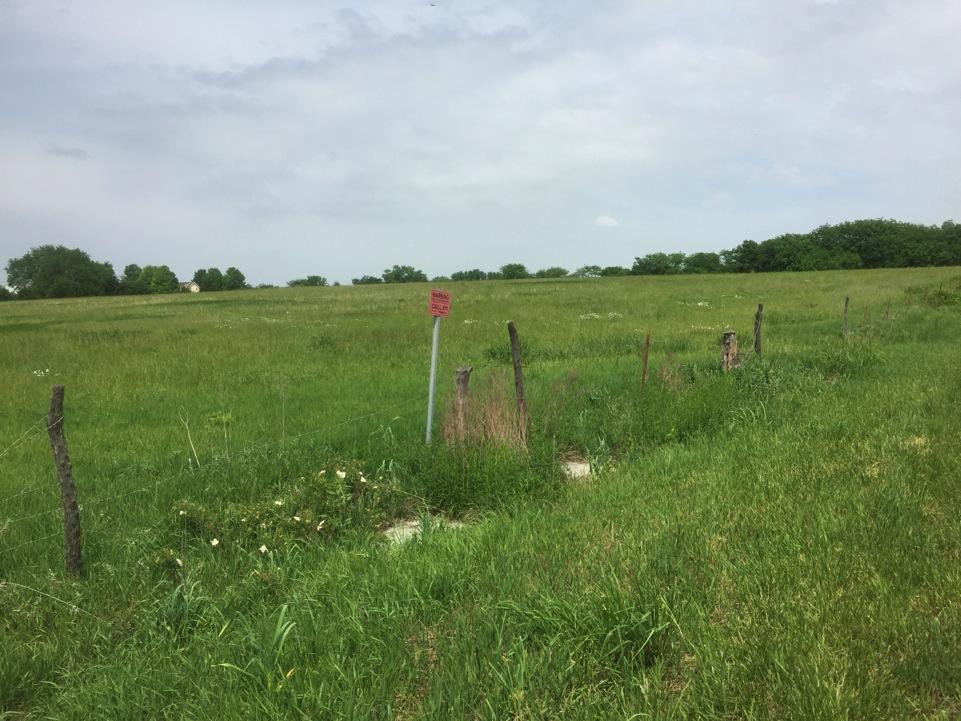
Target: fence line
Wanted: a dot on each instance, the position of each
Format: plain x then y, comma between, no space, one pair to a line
98,500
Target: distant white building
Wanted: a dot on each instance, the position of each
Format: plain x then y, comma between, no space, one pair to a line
189,287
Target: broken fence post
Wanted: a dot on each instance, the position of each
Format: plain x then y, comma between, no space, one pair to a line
462,378
518,381
68,492
758,321
729,357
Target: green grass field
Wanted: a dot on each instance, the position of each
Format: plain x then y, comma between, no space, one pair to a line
778,542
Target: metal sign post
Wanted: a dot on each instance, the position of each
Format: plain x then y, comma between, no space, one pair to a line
439,307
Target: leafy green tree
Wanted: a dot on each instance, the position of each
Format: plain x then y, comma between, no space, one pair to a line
404,274
209,279
474,274
6,294
55,271
702,263
440,279
130,282
159,279
514,271
659,264
234,279
552,272
612,270
310,280
587,271
494,275
367,280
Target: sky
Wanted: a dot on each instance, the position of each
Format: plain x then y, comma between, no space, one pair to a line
337,139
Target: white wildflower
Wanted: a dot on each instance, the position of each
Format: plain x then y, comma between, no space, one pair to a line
320,526
182,513
179,562
214,542
341,475
278,503
263,549
297,518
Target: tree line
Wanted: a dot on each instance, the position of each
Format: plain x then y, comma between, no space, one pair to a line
58,272
55,271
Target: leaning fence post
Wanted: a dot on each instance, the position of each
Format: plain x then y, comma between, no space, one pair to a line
462,378
518,381
68,493
644,357
729,357
845,330
758,320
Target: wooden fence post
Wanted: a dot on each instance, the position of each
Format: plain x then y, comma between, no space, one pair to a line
729,357
68,493
758,320
518,381
646,354
844,332
462,378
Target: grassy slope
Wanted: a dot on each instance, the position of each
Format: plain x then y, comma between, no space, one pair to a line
778,544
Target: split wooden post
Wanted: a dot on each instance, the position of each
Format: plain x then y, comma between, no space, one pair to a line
844,332
462,378
729,359
518,381
645,355
758,321
68,492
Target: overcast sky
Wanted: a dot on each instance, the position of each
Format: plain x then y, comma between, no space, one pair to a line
336,138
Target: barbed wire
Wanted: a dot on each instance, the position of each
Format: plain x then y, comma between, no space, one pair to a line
23,437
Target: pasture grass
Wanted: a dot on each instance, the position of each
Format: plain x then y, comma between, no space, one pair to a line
778,542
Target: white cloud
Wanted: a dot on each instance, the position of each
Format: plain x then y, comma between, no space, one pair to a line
293,137
605,221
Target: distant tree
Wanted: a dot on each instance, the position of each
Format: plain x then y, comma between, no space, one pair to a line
702,263
612,270
158,279
310,280
494,275
659,264
552,272
54,271
440,279
266,285
587,271
514,271
209,279
6,294
475,274
403,274
234,279
131,283
367,280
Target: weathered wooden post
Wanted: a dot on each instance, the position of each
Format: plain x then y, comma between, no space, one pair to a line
729,359
518,381
758,320
68,493
462,378
844,332
646,354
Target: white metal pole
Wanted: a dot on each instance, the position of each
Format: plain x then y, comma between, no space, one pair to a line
433,378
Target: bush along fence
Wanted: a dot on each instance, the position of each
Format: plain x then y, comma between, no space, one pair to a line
458,431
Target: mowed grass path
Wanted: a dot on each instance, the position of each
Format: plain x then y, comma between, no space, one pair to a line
778,543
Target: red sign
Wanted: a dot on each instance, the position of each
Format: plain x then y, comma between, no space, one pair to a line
439,303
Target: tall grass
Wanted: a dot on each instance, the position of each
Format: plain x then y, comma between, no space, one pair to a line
778,542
